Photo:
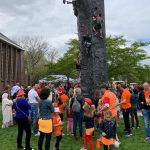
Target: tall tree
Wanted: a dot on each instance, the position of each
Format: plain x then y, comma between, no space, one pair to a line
52,55
36,49
93,57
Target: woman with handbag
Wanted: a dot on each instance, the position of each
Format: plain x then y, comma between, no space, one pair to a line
45,119
22,108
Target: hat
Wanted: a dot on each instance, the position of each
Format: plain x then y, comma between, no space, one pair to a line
88,100
20,93
56,110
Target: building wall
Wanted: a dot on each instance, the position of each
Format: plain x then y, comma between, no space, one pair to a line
11,65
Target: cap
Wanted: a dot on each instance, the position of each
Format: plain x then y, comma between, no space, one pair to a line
20,93
88,100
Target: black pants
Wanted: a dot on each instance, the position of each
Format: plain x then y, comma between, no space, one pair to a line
126,113
58,139
110,147
47,141
134,115
23,125
62,117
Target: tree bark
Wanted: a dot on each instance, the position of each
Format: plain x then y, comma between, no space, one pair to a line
93,63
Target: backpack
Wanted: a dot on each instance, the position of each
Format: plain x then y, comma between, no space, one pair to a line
76,106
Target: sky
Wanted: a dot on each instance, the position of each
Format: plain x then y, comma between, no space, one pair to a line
55,21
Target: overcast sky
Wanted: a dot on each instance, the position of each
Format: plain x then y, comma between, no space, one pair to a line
56,22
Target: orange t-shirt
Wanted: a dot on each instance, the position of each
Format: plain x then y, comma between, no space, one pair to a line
57,129
126,95
110,98
147,97
61,108
64,98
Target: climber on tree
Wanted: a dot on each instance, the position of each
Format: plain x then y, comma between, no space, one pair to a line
87,41
97,25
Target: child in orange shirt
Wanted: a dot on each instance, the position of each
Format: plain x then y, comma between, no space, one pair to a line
57,124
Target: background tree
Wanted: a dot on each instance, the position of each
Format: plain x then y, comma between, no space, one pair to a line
52,55
125,59
36,49
66,64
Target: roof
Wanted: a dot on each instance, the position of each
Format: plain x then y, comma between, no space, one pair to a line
7,40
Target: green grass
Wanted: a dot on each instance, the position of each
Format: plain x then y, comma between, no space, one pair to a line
136,142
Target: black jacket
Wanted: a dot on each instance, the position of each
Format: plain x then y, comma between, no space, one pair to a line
108,127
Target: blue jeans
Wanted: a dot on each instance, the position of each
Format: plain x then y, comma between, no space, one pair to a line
146,115
77,119
34,115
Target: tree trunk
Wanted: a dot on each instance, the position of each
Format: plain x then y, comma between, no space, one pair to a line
93,62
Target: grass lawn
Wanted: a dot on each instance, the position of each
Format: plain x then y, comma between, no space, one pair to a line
136,142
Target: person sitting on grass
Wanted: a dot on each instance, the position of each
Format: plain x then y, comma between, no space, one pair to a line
58,126
108,131
89,109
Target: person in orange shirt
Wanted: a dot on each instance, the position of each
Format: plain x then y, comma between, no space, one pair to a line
126,108
144,102
58,126
64,97
108,101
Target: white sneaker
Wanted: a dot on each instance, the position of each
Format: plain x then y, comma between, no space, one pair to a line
63,134
83,148
38,134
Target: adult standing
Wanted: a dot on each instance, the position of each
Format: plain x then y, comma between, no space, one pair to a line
134,108
77,108
22,112
33,101
45,119
126,108
144,101
8,91
7,111
15,89
108,101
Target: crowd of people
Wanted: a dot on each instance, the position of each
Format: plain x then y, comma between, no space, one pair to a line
43,108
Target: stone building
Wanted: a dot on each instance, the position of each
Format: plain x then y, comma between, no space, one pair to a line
11,62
